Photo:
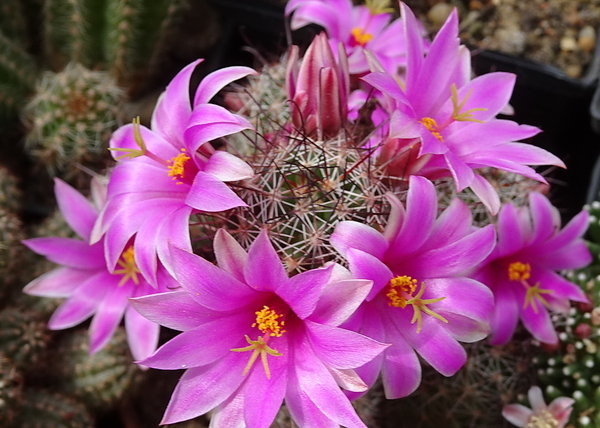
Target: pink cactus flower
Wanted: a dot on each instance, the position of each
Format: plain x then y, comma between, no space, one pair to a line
358,28
555,415
421,301
522,269
318,89
170,172
450,119
252,337
89,287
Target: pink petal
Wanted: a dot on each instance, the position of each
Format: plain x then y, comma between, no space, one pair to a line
510,236
538,324
59,282
202,345
536,399
264,270
486,193
230,255
352,234
506,313
303,411
339,300
365,266
78,212
340,348
217,80
517,414
302,291
174,108
227,167
68,252
201,389
108,315
82,304
208,285
142,334
210,194
159,308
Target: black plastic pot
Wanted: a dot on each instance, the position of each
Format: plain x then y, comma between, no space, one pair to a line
568,112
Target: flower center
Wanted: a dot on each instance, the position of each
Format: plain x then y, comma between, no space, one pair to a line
432,127
543,419
360,37
268,322
521,272
177,166
518,271
400,292
128,267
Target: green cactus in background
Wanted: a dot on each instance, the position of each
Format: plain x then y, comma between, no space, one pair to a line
47,409
572,368
11,391
11,253
71,117
23,337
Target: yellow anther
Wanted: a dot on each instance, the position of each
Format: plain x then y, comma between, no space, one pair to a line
467,115
258,347
401,287
377,7
533,293
137,136
400,295
543,419
267,322
432,127
129,268
177,165
361,37
518,271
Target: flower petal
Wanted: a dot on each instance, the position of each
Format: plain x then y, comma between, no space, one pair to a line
517,414
108,315
210,194
68,252
59,282
142,334
264,270
352,234
302,291
79,213
217,80
227,167
339,300
230,255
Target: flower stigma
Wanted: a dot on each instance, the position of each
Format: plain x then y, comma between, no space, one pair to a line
543,419
521,272
129,268
176,166
400,294
377,7
137,136
467,115
360,37
432,127
268,322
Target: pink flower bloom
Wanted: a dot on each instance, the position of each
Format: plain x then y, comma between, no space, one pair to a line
171,171
88,286
420,299
451,119
555,415
251,337
318,89
357,28
521,271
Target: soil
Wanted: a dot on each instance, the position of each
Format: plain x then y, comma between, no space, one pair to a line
561,33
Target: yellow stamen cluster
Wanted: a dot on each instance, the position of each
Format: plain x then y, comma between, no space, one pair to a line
177,165
137,136
543,419
129,268
467,115
361,37
399,288
432,127
258,347
377,7
518,271
267,322
400,293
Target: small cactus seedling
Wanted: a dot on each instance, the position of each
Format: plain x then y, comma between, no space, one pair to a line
72,117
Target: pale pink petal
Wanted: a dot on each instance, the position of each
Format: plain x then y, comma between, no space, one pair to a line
339,300
227,167
536,399
210,194
142,334
486,193
230,255
352,234
302,291
59,282
68,252
517,414
365,266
